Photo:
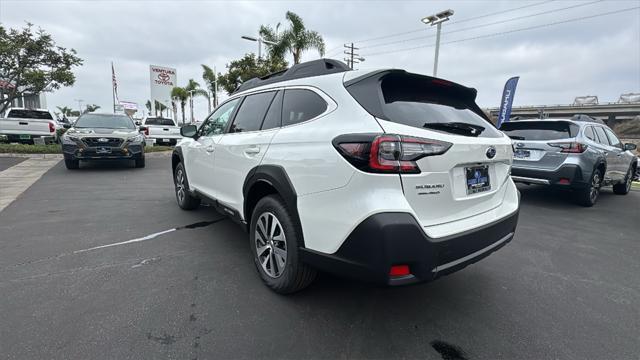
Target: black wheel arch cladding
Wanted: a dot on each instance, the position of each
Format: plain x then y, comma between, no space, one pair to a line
276,177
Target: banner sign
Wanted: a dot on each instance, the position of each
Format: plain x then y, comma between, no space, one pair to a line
162,81
507,100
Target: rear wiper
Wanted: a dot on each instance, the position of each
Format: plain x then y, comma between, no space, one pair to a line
456,128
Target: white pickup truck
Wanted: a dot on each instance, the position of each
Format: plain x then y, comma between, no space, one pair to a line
162,130
23,125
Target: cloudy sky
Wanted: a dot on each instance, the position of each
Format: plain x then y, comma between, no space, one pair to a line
556,58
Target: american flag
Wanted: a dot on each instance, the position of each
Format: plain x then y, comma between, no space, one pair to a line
115,82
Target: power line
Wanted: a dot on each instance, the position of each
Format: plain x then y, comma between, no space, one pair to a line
509,32
484,25
454,22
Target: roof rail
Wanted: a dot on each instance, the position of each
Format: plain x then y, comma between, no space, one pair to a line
305,69
586,118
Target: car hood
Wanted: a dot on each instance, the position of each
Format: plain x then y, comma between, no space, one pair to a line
102,132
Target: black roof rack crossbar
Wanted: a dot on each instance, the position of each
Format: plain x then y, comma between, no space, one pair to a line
298,71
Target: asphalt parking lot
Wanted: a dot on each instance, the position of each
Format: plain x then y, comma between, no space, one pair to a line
567,287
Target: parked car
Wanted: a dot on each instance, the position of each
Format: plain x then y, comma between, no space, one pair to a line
162,130
384,176
23,125
580,154
103,137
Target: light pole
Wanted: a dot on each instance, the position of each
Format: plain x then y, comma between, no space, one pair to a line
260,41
191,105
79,105
437,19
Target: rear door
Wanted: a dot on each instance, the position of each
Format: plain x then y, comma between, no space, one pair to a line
244,145
472,175
617,148
533,142
610,153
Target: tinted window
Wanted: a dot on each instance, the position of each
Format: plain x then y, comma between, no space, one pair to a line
159,121
30,114
274,115
252,112
423,102
104,121
217,122
602,138
588,132
540,130
613,139
301,105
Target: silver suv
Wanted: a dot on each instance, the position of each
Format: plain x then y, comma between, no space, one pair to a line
581,154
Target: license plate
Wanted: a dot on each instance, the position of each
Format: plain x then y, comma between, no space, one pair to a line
25,137
477,179
103,150
522,154
166,140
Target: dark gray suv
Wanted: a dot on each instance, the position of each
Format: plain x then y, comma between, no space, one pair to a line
581,154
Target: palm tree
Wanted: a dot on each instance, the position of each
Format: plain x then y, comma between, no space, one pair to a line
180,94
65,111
297,39
210,78
148,106
91,108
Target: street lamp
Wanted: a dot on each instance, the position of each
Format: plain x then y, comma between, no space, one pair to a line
191,105
260,41
79,105
437,19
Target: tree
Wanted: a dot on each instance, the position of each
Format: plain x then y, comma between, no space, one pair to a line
181,95
297,39
31,62
148,106
65,111
210,78
90,108
248,67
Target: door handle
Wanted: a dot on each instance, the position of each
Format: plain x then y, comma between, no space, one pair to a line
209,148
252,150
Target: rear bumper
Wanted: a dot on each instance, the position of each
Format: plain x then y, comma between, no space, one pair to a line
387,239
569,175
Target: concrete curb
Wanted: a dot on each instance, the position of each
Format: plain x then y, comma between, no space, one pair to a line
158,154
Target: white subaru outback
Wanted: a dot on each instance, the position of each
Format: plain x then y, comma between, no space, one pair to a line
383,176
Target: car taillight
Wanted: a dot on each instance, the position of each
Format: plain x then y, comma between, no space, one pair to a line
387,153
52,128
146,131
570,147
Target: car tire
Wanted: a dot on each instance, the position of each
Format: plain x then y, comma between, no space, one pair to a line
140,163
185,200
589,195
274,238
72,164
625,187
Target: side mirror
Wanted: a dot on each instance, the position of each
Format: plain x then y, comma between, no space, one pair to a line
630,146
142,128
66,126
138,123
189,131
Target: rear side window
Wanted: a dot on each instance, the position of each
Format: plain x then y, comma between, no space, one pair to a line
252,112
540,130
301,105
588,132
423,102
274,115
159,121
30,114
602,137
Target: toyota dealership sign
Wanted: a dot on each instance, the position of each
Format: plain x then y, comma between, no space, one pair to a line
163,79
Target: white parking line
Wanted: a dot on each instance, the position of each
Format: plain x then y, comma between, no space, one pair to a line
18,178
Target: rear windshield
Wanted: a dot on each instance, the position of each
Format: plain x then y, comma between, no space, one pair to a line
424,102
159,121
30,114
540,130
104,121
